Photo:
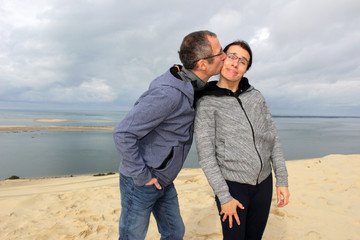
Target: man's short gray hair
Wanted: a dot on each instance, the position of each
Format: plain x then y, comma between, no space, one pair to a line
194,47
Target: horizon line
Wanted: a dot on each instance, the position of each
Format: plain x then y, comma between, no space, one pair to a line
312,116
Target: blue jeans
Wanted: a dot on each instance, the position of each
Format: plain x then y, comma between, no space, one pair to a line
138,202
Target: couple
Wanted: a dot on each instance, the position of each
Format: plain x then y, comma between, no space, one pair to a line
236,141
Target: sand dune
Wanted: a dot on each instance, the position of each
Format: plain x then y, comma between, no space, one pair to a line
324,204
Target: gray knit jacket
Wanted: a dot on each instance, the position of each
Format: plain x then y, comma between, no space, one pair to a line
236,139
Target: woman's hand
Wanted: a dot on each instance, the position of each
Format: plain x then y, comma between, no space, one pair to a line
229,210
282,196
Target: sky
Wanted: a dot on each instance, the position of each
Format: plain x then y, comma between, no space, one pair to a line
102,54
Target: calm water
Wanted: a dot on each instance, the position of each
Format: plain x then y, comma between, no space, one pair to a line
56,153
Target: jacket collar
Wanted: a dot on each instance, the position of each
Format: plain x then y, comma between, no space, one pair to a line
213,89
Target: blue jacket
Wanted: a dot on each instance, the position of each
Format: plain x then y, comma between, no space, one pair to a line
155,137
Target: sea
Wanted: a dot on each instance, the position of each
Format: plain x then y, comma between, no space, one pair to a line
34,153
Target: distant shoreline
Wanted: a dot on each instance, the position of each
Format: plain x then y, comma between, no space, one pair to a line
16,128
53,128
65,120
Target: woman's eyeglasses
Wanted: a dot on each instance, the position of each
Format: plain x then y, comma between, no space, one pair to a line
233,57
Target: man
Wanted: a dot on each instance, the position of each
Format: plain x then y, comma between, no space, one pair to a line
155,137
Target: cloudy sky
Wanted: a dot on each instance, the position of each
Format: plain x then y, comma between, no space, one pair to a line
104,53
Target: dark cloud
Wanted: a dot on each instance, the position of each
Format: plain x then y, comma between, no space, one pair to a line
106,52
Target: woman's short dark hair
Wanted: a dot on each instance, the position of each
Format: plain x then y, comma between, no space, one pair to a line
195,46
243,45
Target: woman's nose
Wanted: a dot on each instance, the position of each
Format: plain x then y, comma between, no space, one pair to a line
235,62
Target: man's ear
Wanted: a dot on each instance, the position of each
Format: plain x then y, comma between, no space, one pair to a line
201,64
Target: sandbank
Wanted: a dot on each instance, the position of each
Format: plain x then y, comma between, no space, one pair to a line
50,120
16,128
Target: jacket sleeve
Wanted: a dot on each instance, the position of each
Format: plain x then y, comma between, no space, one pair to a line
277,155
205,145
148,112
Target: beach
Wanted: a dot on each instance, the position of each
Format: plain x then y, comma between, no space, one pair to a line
324,204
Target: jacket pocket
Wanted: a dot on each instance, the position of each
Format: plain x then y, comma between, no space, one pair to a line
167,159
171,166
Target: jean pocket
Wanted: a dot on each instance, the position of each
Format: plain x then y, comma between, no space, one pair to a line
146,192
123,179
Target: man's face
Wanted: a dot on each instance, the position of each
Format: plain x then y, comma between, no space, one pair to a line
215,67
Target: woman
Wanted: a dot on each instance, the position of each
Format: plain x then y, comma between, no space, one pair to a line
237,147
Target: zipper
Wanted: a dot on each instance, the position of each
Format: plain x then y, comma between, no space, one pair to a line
254,141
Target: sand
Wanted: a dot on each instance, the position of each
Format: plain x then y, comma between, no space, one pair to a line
324,204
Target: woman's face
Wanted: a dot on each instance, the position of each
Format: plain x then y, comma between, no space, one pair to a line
235,65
